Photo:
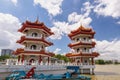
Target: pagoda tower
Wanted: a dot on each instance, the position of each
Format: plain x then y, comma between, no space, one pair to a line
82,45
34,40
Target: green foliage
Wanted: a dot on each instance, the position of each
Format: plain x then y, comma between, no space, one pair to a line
62,57
100,61
2,58
108,62
116,62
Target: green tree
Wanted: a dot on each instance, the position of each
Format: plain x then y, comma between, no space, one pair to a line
100,61
62,57
108,62
3,58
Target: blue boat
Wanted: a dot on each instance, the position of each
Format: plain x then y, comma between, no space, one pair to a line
21,75
16,75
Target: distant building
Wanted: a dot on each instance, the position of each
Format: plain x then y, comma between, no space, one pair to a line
6,52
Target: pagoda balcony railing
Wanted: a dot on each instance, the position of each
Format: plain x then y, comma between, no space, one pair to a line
81,41
87,52
92,43
83,52
33,37
32,49
39,37
87,66
35,50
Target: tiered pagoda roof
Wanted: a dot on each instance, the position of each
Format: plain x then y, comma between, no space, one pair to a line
92,44
93,54
81,30
41,52
24,39
35,25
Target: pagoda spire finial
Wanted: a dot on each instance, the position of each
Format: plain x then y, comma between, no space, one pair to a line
81,25
37,19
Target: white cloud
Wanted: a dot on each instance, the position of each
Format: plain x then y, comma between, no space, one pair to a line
59,29
9,25
52,6
57,50
118,22
74,17
87,8
108,49
74,21
14,2
108,8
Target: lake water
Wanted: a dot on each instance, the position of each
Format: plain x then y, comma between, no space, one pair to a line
106,72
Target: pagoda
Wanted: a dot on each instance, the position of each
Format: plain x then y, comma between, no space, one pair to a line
82,46
34,40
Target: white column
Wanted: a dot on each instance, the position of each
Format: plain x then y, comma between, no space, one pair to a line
81,70
7,63
41,63
91,71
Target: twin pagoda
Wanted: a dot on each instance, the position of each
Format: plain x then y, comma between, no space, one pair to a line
35,42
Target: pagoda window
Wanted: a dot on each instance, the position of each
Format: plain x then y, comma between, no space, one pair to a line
34,34
85,49
85,61
26,31
77,39
33,47
42,47
84,39
78,50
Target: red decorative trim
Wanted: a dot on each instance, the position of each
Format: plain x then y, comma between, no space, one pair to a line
81,30
23,38
94,54
37,25
81,43
19,51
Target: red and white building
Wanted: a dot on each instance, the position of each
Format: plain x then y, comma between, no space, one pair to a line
35,41
82,46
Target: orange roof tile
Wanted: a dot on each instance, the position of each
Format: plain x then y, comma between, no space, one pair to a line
81,30
23,38
36,24
94,54
81,43
20,50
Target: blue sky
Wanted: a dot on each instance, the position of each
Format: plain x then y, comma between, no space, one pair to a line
62,16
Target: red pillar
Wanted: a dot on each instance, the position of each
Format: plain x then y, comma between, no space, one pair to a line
92,61
81,60
48,60
22,59
40,59
18,59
